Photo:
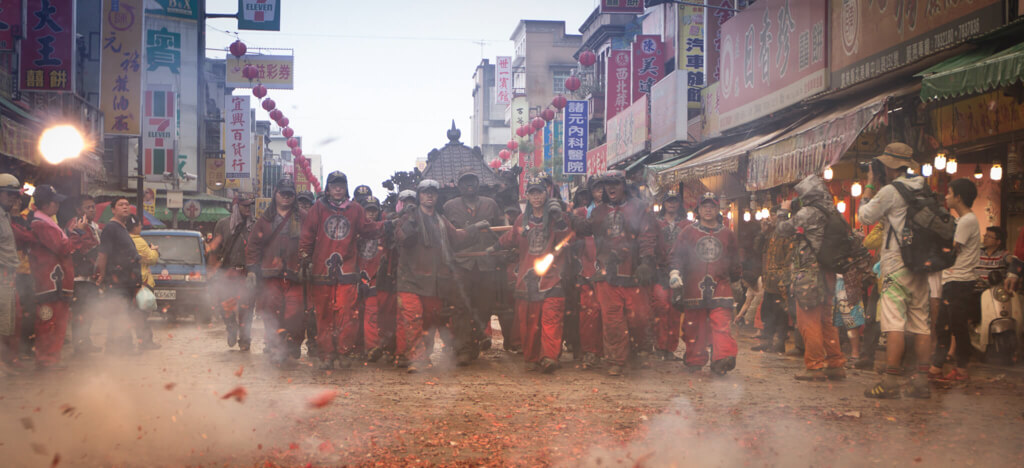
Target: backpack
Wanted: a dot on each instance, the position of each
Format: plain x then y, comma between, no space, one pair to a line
926,242
839,249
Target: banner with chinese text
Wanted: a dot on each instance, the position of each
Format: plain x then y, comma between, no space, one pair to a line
275,71
690,51
648,64
503,80
238,137
48,49
627,132
576,132
619,95
597,160
121,67
160,132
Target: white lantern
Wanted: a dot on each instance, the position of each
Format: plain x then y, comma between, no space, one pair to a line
856,189
996,173
827,175
940,160
951,166
746,216
926,170
841,206
729,215
689,215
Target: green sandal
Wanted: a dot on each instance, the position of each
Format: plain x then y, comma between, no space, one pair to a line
880,391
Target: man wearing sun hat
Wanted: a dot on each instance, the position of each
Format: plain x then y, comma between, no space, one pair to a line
903,305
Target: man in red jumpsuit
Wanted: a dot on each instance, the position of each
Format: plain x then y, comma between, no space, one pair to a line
54,274
625,239
328,245
272,258
590,309
705,260
671,222
430,294
371,256
540,299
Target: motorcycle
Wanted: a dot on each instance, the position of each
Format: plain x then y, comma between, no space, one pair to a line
997,335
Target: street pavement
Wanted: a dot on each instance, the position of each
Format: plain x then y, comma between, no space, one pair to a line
195,402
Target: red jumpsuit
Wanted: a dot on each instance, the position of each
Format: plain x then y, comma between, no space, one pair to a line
666,317
624,235
371,254
540,300
708,260
590,308
54,275
272,252
329,235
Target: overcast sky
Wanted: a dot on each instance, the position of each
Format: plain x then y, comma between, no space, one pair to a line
377,83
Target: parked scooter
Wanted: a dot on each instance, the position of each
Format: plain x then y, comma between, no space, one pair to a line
998,333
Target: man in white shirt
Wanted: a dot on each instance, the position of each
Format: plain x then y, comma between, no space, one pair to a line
958,285
903,302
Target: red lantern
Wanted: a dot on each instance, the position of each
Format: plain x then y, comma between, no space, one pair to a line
292,142
538,123
504,155
288,132
548,115
297,151
237,48
269,105
520,132
259,91
283,122
250,72
572,83
587,58
495,164
529,129
559,102
512,145
276,114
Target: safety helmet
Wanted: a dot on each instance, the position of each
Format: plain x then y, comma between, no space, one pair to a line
428,184
407,195
9,183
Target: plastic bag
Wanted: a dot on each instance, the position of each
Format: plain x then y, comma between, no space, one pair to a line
145,299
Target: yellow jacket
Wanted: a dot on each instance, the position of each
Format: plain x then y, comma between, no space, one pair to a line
148,258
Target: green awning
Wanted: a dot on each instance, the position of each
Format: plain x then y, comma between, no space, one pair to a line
974,72
212,211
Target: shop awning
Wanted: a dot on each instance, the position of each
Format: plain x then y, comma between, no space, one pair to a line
973,72
712,161
816,144
212,211
160,195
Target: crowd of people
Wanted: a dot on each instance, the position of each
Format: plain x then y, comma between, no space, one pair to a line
612,277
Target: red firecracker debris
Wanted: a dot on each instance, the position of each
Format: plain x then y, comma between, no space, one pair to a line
322,399
169,386
238,393
238,373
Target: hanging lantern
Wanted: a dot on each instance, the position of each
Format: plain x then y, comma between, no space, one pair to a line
276,114
951,166
689,216
259,91
996,173
746,216
512,145
827,175
292,142
548,115
237,48
297,151
529,129
572,83
269,105
587,58
940,160
856,189
283,122
250,72
538,123
504,154
926,170
559,102
288,132
977,172
841,206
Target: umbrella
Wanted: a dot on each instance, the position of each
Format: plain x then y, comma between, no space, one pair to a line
104,213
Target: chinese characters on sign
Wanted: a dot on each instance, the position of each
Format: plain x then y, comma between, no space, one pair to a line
10,19
263,15
622,6
47,52
648,64
160,132
690,51
619,95
163,49
576,129
503,80
715,19
627,132
238,137
121,67
275,71
597,160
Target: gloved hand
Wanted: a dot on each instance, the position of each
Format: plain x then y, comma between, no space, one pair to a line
674,280
644,273
481,225
553,207
250,280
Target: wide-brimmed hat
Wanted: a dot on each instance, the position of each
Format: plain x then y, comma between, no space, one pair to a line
897,155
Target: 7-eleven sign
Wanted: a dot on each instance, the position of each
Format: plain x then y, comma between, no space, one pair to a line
160,132
263,15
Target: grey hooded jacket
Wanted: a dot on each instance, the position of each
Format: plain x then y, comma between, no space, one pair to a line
809,221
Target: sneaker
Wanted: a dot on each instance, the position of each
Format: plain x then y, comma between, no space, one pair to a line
148,346
835,373
882,391
615,371
811,375
243,346
548,365
953,376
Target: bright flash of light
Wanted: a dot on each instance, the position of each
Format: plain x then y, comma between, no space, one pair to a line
60,143
29,189
541,265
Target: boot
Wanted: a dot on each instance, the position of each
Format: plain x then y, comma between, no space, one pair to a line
721,366
811,375
591,361
835,373
548,365
374,354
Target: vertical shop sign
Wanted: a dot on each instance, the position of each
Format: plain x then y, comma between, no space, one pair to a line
648,64
237,144
597,160
576,128
10,19
121,67
160,131
715,18
503,80
48,50
618,96
690,51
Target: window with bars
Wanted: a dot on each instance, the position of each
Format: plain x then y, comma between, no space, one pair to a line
559,81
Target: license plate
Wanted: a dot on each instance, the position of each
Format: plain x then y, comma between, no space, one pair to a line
165,294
